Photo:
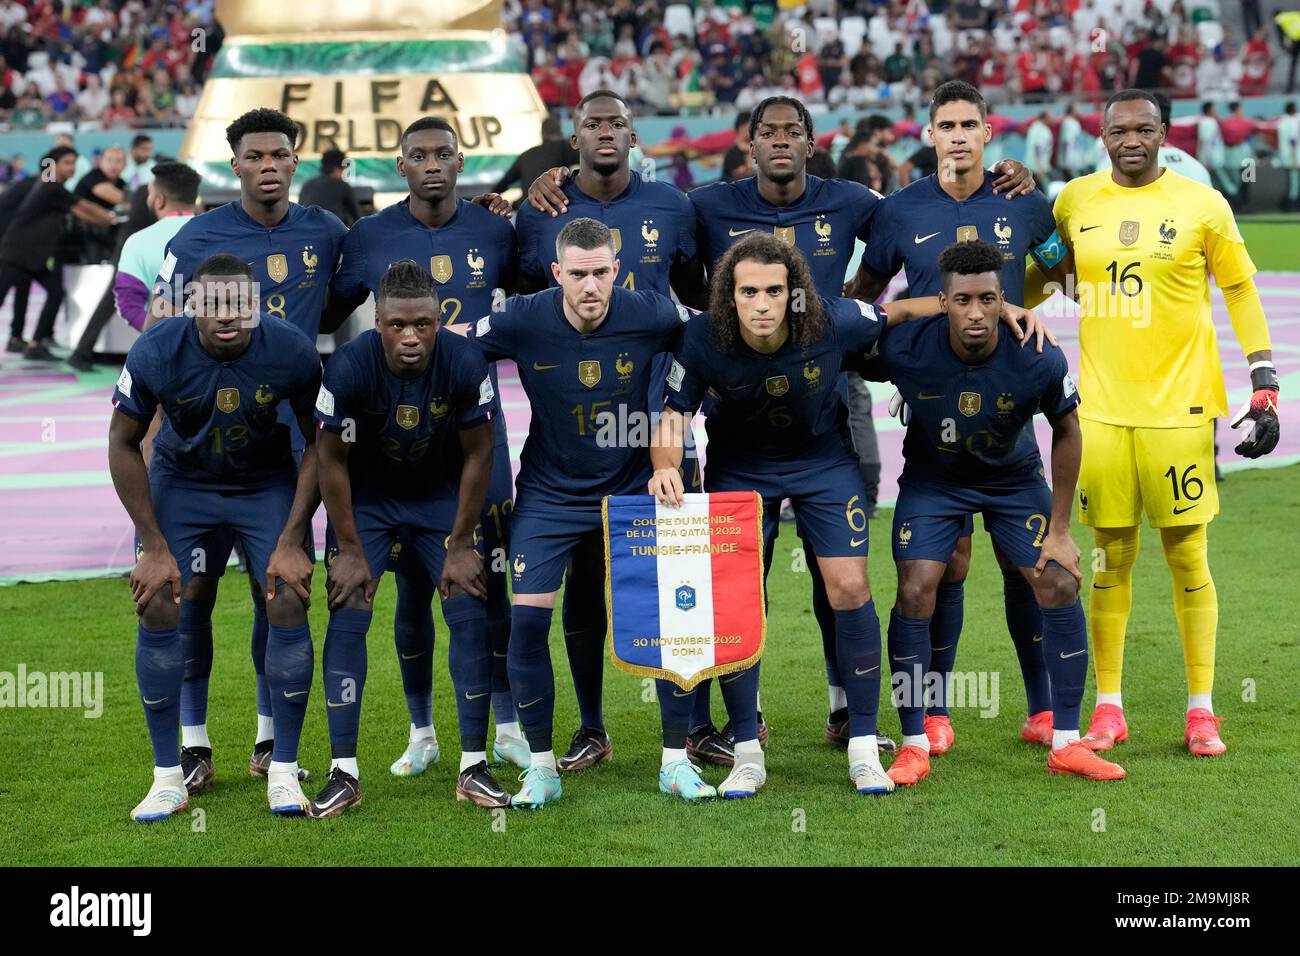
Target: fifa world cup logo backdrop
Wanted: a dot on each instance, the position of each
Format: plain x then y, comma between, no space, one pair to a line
353,76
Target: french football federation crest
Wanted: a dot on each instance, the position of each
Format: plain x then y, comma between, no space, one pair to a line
623,365
684,597
1005,404
475,263
1167,232
968,403
778,385
589,373
438,408
408,416
519,565
440,268
905,534
264,397
277,267
1002,229
967,233
227,399
785,234
1128,232
823,229
812,373
650,235
618,240
309,259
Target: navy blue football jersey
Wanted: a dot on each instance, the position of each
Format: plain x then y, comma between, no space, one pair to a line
770,411
822,223
972,424
292,260
405,430
220,428
653,225
914,225
590,429
470,257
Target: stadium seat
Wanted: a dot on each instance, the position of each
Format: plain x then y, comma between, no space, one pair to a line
679,20
852,32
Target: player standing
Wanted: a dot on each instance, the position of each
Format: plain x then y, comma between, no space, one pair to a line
1145,241
471,255
405,447
293,250
585,353
222,464
970,447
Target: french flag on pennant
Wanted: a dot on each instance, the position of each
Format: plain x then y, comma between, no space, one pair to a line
685,585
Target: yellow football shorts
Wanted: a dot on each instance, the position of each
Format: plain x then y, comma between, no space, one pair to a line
1166,472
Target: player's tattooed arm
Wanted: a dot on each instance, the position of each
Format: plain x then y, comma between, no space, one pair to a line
687,279
1067,449
155,568
289,562
666,458
546,194
349,573
1014,179
463,567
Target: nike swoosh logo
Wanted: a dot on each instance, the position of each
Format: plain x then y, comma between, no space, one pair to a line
1179,511
297,693
857,542
922,397
920,239
732,680
342,703
152,702
944,648
736,388
1190,590
1104,587
191,660
733,233
333,800
1066,657
411,657
1086,228
1037,638
867,671
910,657
488,790
529,704
469,696
687,694
538,367
495,654
186,401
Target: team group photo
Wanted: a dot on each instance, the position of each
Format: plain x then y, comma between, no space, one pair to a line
740,434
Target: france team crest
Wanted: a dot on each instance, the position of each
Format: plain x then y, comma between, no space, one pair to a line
685,585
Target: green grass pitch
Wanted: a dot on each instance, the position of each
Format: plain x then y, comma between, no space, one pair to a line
69,782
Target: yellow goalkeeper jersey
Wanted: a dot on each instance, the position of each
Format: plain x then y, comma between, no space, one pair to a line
1142,261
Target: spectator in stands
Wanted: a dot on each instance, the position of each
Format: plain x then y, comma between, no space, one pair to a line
139,167
30,113
330,190
554,150
62,101
93,99
1147,62
1039,146
736,162
1288,156
119,112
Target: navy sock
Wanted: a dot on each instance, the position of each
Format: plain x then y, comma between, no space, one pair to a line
413,635
584,640
674,713
909,665
159,672
470,663
498,637
290,660
945,631
261,629
195,631
1065,647
531,677
701,715
740,694
857,646
343,661
822,610
1025,625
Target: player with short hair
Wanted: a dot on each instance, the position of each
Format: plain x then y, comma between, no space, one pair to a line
971,448
471,254
1144,242
222,464
912,227
585,352
292,250
405,413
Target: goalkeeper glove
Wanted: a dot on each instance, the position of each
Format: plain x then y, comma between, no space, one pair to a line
1260,413
898,409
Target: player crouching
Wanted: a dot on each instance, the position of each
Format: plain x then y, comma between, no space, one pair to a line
970,447
221,465
405,446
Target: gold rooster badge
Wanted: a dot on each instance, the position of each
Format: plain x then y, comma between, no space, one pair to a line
474,262
309,259
623,365
649,233
1002,231
823,229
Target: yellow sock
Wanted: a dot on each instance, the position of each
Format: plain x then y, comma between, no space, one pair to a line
1111,598
1196,604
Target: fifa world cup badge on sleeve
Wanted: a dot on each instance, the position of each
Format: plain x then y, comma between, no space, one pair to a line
684,586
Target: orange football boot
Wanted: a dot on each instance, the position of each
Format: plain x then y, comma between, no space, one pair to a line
1106,729
939,730
1076,759
1203,733
1037,729
910,767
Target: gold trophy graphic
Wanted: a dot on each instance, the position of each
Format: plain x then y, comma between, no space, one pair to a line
353,75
